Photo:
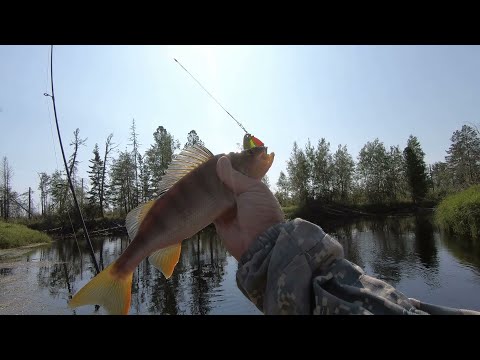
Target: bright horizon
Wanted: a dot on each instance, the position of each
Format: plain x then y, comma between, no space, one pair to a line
281,94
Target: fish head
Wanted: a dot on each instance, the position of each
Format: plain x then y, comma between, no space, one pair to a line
254,162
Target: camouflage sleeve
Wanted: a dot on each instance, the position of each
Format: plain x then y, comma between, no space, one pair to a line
296,268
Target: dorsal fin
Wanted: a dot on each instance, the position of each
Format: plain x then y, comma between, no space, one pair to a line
188,159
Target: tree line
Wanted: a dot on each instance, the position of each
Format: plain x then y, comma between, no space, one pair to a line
380,174
119,180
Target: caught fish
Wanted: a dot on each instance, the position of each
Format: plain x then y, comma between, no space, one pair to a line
192,196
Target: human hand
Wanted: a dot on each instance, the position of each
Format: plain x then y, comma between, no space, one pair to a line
256,210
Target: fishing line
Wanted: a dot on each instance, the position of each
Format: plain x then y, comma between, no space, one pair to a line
238,122
252,141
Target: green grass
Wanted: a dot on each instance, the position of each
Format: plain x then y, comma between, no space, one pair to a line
290,211
15,235
460,213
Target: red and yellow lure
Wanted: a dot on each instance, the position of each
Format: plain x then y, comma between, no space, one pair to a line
250,141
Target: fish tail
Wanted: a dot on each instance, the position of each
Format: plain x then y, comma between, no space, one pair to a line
108,290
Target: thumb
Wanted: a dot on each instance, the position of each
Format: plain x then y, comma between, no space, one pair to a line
233,179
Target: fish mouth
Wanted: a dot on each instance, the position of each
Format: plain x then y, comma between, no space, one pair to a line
258,165
266,159
269,158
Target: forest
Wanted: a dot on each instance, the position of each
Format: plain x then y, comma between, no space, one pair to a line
119,180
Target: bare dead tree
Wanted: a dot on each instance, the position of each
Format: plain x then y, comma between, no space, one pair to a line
6,187
76,143
109,146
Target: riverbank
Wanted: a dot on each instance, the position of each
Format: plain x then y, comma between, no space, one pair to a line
55,226
315,210
460,212
16,235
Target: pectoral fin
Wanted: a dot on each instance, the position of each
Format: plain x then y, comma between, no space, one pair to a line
135,218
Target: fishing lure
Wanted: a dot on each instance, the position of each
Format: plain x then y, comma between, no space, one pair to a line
250,141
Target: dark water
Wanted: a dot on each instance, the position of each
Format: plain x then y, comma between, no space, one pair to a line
409,253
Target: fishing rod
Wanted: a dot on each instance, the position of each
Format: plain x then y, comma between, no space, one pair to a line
249,140
92,253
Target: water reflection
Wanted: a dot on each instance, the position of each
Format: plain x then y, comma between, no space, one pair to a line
194,288
392,248
408,252
425,247
465,249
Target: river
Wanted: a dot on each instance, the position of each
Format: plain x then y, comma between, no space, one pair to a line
410,253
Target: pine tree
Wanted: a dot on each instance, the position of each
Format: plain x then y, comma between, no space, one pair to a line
416,169
95,175
193,139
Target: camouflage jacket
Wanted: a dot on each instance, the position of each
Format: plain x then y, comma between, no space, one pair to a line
295,268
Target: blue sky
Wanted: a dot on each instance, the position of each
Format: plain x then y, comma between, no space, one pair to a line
347,94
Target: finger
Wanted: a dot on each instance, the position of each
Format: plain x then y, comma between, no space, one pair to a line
219,225
228,216
234,180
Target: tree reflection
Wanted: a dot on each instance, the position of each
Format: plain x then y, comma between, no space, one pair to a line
389,251
465,249
164,294
204,275
392,249
425,246
344,233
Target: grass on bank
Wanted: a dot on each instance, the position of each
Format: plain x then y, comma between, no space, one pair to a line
290,211
460,212
16,235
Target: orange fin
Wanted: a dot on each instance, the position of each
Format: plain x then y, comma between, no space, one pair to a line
107,290
166,259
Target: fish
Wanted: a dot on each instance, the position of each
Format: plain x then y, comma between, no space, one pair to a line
191,197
